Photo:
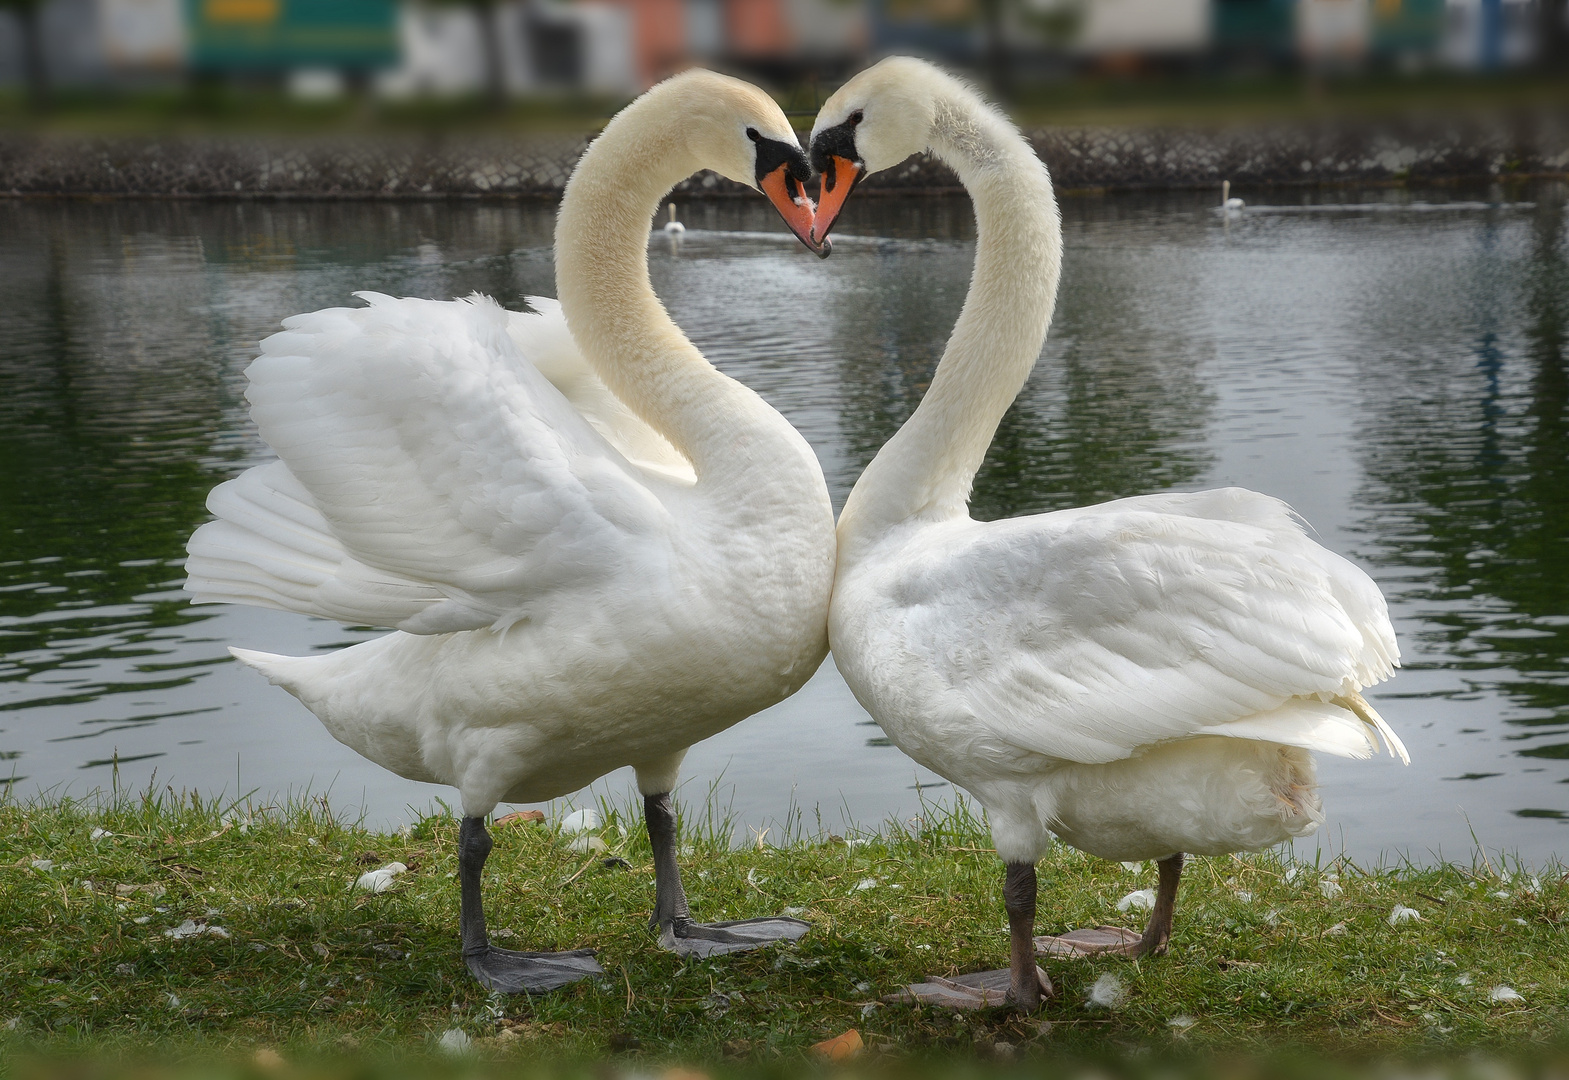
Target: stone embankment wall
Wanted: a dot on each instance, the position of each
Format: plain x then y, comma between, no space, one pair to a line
538,165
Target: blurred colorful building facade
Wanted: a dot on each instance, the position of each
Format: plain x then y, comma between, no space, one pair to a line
616,47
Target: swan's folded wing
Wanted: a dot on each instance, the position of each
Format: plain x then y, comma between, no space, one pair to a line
1090,634
431,478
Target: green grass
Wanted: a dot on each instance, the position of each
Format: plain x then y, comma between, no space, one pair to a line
1261,960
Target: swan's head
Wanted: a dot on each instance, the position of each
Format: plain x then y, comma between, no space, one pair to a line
871,123
740,132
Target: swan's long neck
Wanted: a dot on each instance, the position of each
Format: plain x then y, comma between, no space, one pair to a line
602,281
927,468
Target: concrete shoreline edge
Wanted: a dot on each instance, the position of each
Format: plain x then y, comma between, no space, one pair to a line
1479,147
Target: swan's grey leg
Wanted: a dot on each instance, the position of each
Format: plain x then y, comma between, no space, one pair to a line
670,904
1157,933
1021,984
672,917
1018,896
504,970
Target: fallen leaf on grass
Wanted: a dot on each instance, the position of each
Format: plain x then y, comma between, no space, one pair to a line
841,1047
520,817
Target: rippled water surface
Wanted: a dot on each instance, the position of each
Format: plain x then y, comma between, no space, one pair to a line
1396,372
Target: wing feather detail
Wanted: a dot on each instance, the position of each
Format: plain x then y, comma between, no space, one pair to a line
431,478
1090,634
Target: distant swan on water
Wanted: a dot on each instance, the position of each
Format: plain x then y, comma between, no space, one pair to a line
1144,677
595,549
1227,203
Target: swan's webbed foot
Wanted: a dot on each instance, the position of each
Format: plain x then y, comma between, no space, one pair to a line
687,938
1114,939
1090,942
507,972
1021,984
504,970
672,918
977,990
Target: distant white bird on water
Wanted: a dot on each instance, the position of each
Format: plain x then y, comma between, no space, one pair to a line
672,226
1142,678
1227,203
596,548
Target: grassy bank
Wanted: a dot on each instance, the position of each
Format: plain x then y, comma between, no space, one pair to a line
283,955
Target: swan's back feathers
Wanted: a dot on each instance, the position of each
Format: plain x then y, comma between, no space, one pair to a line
431,478
1100,631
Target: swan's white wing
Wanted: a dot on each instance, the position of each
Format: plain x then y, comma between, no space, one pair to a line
543,337
1092,633
431,478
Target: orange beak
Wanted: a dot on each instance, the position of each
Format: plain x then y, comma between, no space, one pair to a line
789,197
837,183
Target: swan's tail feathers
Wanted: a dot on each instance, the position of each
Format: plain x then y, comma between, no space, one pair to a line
1342,726
1369,716
1305,722
269,664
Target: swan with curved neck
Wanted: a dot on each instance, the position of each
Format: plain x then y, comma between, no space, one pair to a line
594,548
1144,677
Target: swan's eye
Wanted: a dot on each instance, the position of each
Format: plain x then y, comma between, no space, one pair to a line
855,118
751,133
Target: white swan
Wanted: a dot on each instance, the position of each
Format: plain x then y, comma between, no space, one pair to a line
1227,203
574,588
1142,678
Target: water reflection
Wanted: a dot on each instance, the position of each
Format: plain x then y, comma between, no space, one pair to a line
1469,459
1400,378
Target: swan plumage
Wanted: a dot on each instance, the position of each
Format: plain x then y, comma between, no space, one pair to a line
592,547
455,487
1142,678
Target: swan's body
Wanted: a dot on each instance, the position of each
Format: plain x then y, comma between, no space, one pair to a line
586,571
1228,202
672,226
1143,677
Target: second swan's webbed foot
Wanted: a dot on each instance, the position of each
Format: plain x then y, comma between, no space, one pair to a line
687,938
509,972
977,990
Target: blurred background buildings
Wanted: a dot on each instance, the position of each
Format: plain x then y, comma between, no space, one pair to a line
403,49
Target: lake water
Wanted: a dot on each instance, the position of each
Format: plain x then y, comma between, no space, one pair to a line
1396,371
